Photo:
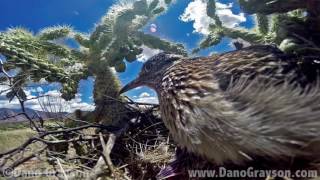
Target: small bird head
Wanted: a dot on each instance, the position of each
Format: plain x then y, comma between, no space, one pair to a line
152,71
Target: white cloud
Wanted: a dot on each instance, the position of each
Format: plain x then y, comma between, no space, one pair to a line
146,98
197,12
39,89
53,93
227,17
144,94
147,53
52,102
151,100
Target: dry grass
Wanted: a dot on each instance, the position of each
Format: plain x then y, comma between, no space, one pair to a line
10,139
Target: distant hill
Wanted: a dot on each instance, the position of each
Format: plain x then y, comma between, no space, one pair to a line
11,115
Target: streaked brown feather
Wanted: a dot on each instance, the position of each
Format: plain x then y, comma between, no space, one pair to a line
201,101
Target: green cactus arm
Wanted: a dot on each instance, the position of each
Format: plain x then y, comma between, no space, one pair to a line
215,36
217,33
153,5
117,37
121,20
211,12
33,50
38,59
83,39
22,59
247,35
33,45
262,24
271,6
70,87
211,8
19,32
158,43
56,32
114,24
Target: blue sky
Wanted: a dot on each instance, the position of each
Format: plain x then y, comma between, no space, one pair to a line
83,14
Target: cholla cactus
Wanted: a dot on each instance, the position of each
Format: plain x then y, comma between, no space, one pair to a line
37,57
117,38
295,23
291,25
218,30
272,6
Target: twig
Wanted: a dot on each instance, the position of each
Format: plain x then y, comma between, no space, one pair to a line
97,170
16,164
107,149
62,170
42,135
65,141
105,157
139,103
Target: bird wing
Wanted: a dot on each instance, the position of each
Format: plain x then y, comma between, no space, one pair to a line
264,61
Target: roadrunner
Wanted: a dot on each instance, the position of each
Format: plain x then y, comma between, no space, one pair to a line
232,107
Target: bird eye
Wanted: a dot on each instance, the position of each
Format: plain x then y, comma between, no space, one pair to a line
147,67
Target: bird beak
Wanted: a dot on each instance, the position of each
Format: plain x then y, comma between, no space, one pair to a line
131,85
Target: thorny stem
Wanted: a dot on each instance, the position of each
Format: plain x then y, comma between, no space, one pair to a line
21,101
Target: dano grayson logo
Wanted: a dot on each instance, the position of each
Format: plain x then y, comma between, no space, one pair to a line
10,173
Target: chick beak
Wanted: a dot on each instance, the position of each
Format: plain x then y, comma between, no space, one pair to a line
131,85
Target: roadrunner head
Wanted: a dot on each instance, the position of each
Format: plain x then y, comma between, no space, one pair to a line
152,70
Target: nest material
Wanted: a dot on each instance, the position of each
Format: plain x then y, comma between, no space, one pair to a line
145,147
